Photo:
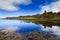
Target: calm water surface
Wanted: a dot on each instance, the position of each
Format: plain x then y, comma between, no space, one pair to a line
30,26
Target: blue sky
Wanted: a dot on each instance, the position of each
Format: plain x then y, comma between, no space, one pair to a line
9,8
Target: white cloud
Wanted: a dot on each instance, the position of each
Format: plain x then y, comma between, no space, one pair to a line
9,4
54,7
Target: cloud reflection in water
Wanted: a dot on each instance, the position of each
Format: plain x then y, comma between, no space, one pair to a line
54,29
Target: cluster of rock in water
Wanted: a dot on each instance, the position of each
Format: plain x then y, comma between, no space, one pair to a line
30,36
9,36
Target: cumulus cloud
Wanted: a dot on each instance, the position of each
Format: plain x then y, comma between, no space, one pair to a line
10,4
54,7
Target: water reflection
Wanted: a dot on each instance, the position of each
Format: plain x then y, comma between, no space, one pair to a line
27,26
54,29
45,23
19,26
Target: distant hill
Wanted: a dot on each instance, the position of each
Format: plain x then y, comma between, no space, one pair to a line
45,16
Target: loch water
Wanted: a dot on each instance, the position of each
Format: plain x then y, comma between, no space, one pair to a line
27,26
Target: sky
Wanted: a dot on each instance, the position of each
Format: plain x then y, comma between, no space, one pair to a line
12,8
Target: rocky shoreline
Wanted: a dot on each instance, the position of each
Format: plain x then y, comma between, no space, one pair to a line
30,36
9,35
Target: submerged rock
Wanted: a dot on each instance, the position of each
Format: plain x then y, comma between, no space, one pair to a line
28,36
10,36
